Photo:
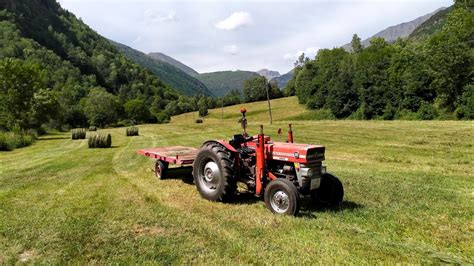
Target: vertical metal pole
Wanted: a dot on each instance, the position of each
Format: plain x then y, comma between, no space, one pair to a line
269,106
222,111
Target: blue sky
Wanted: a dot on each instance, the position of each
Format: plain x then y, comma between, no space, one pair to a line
248,35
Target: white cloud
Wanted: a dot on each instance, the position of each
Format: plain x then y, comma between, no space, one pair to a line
235,21
308,52
152,16
231,49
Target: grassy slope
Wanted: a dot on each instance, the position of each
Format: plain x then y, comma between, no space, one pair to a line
221,82
409,197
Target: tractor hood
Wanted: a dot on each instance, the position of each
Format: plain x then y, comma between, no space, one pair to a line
293,152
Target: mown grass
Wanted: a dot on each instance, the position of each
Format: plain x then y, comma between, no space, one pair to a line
409,198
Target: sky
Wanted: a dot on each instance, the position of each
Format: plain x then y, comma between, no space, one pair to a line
217,35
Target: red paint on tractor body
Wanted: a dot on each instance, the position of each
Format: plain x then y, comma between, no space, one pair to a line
260,160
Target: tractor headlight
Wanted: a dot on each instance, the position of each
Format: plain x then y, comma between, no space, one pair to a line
306,172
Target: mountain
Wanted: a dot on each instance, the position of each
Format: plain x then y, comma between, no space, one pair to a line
268,74
430,26
168,73
220,83
283,79
402,30
167,59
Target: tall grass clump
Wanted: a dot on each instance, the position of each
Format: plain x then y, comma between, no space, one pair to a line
100,141
78,133
92,128
12,140
132,131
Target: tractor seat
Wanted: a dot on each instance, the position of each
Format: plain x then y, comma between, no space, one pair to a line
246,150
238,140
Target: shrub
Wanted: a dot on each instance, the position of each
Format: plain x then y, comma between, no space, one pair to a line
124,123
100,141
162,118
466,108
78,133
406,114
427,112
92,128
359,114
12,140
389,112
203,110
132,131
199,120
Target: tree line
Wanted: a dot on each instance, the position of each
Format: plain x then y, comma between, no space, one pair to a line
427,79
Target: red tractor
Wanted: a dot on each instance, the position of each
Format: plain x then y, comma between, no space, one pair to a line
280,171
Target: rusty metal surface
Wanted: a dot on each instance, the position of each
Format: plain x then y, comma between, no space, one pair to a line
172,154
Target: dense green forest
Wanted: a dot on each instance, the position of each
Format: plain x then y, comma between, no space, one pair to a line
428,76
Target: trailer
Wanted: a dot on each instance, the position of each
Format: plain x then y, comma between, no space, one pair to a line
164,156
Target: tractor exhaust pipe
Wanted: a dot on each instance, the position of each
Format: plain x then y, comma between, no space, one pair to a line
243,121
290,134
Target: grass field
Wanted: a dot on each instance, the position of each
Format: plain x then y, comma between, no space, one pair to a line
409,198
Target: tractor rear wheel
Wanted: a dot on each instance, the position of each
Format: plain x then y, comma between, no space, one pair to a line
214,173
282,197
161,169
330,192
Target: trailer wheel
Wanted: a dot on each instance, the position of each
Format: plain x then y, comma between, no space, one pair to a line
214,173
161,169
282,197
330,192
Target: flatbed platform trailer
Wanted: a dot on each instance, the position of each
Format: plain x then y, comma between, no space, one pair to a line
178,155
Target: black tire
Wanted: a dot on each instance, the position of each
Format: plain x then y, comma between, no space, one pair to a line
214,173
282,197
161,169
330,193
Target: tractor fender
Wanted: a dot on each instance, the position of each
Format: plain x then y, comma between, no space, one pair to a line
221,142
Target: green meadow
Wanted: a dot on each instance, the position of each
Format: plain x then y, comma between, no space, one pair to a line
409,197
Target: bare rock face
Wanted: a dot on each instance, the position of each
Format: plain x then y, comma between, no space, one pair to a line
268,74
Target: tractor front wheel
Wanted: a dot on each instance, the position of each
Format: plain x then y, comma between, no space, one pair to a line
161,169
214,173
282,197
330,193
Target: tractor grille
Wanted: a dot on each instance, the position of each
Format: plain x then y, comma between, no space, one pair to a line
315,154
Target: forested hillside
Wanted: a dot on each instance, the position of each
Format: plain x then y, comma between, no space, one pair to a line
430,26
79,77
168,59
427,79
168,73
222,82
